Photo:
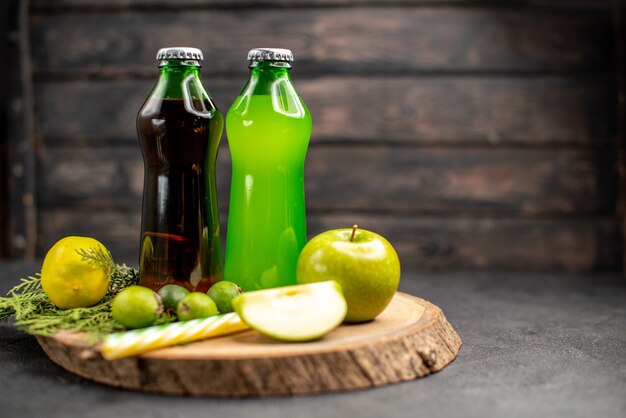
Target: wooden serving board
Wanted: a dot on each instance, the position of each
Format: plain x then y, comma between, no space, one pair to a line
410,339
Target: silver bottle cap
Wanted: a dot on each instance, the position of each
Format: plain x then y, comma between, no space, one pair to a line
270,54
179,52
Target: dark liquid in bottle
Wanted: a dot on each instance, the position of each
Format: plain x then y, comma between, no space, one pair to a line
180,225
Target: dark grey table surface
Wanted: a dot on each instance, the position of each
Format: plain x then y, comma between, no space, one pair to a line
533,346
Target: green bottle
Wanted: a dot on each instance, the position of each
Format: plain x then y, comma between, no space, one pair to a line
268,130
180,129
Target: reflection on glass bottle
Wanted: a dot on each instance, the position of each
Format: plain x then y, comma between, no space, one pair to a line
268,130
179,129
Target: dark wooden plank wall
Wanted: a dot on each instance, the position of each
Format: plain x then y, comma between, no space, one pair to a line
620,25
473,135
4,193
18,212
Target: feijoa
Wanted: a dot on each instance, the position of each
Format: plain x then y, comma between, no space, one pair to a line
223,293
136,307
195,305
172,294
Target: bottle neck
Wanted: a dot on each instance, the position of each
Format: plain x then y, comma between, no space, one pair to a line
180,79
179,69
265,74
269,66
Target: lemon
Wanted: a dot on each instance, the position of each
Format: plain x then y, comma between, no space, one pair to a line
70,280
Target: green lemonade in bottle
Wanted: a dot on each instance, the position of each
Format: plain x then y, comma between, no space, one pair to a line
268,129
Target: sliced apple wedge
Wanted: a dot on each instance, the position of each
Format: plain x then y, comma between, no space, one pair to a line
293,313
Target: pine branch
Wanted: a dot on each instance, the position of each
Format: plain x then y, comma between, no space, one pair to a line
35,314
28,285
97,257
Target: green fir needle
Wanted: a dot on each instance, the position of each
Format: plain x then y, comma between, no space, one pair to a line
33,312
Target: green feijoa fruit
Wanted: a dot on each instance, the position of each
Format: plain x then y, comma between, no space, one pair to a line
223,293
196,305
172,294
136,307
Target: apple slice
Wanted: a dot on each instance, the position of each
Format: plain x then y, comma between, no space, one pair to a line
293,313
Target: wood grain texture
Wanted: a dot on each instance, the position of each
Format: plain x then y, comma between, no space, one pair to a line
417,110
458,243
478,135
423,242
363,178
620,19
19,136
48,5
4,148
331,40
410,339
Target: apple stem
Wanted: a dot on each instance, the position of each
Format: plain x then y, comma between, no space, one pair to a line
354,228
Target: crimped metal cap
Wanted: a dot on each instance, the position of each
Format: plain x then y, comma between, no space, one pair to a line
179,52
270,54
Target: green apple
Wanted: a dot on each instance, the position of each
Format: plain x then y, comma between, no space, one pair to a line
293,313
364,263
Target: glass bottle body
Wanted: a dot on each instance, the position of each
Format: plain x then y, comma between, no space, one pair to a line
180,128
268,129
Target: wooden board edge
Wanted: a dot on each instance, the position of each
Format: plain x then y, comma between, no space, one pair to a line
431,317
413,352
